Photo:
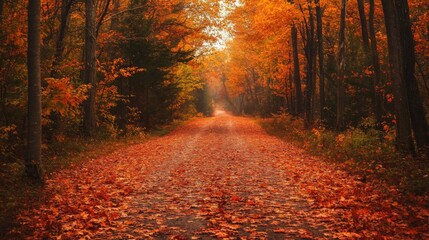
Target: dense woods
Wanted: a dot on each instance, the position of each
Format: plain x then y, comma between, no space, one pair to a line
110,68
98,68
336,64
347,79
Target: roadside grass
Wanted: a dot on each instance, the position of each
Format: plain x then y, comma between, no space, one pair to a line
363,151
16,192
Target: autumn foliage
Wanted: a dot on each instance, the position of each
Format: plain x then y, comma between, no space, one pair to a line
135,40
260,75
345,79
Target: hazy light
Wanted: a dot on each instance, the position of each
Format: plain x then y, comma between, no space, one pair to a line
218,113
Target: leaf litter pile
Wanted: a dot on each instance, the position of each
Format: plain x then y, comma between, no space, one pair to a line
220,177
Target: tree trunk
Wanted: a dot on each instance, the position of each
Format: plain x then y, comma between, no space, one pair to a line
364,28
417,112
1,27
377,80
291,105
403,125
59,48
296,73
286,96
341,67
1,11
310,55
34,132
321,60
90,69
255,84
313,62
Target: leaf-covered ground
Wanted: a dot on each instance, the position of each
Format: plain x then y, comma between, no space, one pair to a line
220,177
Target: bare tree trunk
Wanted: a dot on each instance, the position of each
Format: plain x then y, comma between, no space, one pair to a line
3,90
415,103
321,60
1,28
90,69
286,96
310,55
401,108
341,67
34,132
1,11
364,28
254,77
296,73
313,61
59,49
292,98
377,82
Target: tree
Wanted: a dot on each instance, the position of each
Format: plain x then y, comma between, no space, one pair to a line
296,73
1,10
415,103
404,140
321,60
363,24
409,111
59,48
308,35
378,96
90,68
34,132
341,68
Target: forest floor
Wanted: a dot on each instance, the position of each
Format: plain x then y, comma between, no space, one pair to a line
220,177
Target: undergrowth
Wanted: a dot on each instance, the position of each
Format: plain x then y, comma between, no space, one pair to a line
363,150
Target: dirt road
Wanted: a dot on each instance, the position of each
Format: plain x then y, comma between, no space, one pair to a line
218,177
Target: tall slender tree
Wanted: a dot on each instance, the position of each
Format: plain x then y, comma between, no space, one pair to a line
1,10
415,103
311,66
1,26
296,72
341,67
34,132
59,45
321,60
309,38
90,68
404,140
377,79
363,23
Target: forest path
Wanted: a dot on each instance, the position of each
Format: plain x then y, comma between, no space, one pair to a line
218,177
